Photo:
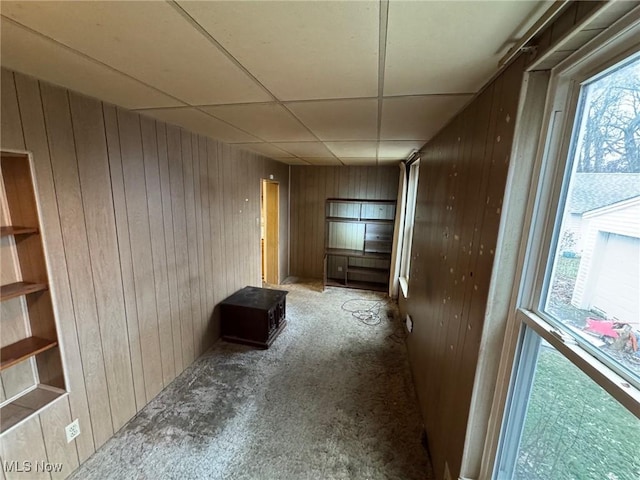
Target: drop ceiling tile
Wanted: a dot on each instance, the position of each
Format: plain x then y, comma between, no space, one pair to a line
150,41
450,47
199,122
353,149
324,49
30,53
265,149
420,117
268,121
305,149
398,150
322,161
339,119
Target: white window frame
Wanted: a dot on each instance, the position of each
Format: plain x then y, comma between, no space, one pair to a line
614,45
409,221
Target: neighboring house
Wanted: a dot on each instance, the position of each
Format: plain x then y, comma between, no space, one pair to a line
609,274
591,191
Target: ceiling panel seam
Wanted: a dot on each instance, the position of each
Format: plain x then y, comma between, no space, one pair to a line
314,100
204,32
406,95
235,104
382,53
105,65
93,60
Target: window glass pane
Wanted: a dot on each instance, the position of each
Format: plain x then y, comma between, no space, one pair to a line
412,196
594,286
573,429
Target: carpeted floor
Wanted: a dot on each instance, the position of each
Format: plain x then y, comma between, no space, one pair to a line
331,399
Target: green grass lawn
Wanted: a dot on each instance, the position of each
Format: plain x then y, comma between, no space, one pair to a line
574,429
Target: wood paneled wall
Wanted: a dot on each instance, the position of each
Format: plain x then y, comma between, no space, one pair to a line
146,228
310,187
463,173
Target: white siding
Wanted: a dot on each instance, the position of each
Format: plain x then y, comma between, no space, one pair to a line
609,273
616,287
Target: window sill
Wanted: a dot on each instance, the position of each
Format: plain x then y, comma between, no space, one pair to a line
627,394
404,286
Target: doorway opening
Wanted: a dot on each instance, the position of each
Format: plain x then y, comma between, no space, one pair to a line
269,232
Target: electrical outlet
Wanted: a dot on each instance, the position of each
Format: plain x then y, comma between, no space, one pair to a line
72,430
339,269
447,473
409,323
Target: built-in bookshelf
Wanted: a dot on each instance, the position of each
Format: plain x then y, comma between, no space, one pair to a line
358,242
31,374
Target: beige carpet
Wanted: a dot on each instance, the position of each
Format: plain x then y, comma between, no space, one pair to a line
331,399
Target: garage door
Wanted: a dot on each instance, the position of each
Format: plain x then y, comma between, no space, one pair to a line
617,290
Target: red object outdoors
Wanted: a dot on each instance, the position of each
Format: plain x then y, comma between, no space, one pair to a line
602,327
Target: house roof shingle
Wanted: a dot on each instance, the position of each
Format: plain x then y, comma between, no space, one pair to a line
595,190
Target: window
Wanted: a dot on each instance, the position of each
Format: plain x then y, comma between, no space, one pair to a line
569,426
410,213
573,410
592,288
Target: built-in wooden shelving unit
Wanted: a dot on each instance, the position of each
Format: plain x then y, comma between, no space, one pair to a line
30,361
358,242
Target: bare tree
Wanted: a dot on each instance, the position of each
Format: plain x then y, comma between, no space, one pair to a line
611,139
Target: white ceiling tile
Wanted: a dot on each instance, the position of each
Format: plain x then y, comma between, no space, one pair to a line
323,49
339,119
268,121
30,53
353,149
265,149
398,150
199,122
305,149
418,118
450,47
322,161
150,41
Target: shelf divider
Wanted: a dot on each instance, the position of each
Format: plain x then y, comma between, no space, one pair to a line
16,230
13,290
26,405
23,349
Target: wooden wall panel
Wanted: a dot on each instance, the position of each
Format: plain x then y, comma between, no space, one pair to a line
93,167
146,229
124,246
193,285
140,241
170,245
24,444
310,187
462,180
174,146
205,234
74,234
55,440
158,247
